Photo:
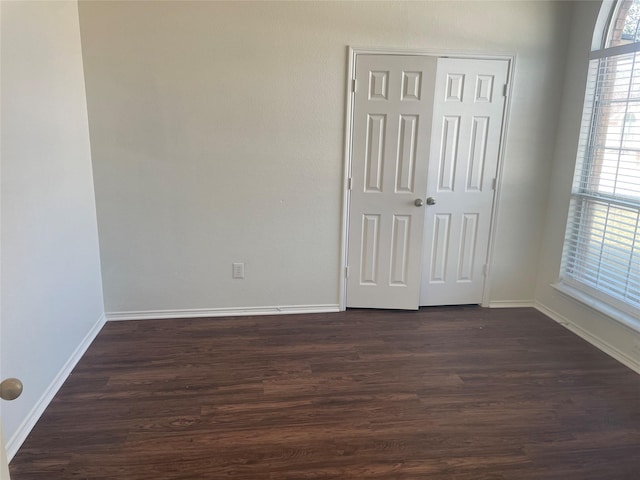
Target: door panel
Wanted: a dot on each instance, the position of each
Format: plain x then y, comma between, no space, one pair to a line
391,132
467,125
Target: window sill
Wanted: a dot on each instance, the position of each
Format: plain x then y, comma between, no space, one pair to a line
599,306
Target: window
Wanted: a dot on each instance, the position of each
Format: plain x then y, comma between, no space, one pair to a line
601,257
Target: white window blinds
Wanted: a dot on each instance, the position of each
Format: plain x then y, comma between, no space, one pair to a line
602,245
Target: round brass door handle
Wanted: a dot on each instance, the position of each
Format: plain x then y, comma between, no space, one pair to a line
431,201
419,202
10,389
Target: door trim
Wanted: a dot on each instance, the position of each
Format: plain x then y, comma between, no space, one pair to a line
353,53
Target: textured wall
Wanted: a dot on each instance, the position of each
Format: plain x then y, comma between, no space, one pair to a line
217,132
51,284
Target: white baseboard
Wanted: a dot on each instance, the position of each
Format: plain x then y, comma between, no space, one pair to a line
607,348
512,304
221,312
20,435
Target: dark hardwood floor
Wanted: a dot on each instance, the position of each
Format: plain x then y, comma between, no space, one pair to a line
443,393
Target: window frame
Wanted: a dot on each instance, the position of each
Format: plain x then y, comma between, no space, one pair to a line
581,199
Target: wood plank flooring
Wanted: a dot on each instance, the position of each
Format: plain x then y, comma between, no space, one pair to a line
460,393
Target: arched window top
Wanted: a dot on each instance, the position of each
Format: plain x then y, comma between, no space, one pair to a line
617,29
624,27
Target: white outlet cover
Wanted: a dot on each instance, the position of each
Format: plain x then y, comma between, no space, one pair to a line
238,270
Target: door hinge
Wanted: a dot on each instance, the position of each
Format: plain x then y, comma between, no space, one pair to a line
494,182
505,91
353,85
346,271
349,183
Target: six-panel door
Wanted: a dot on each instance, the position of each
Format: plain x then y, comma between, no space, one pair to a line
391,132
465,143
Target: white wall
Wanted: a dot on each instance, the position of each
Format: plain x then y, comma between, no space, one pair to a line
608,334
51,284
217,133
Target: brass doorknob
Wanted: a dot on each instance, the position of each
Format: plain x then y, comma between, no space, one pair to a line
431,201
10,389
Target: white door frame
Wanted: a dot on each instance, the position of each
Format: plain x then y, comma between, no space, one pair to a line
346,196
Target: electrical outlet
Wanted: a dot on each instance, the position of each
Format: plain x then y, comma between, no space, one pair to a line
238,270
